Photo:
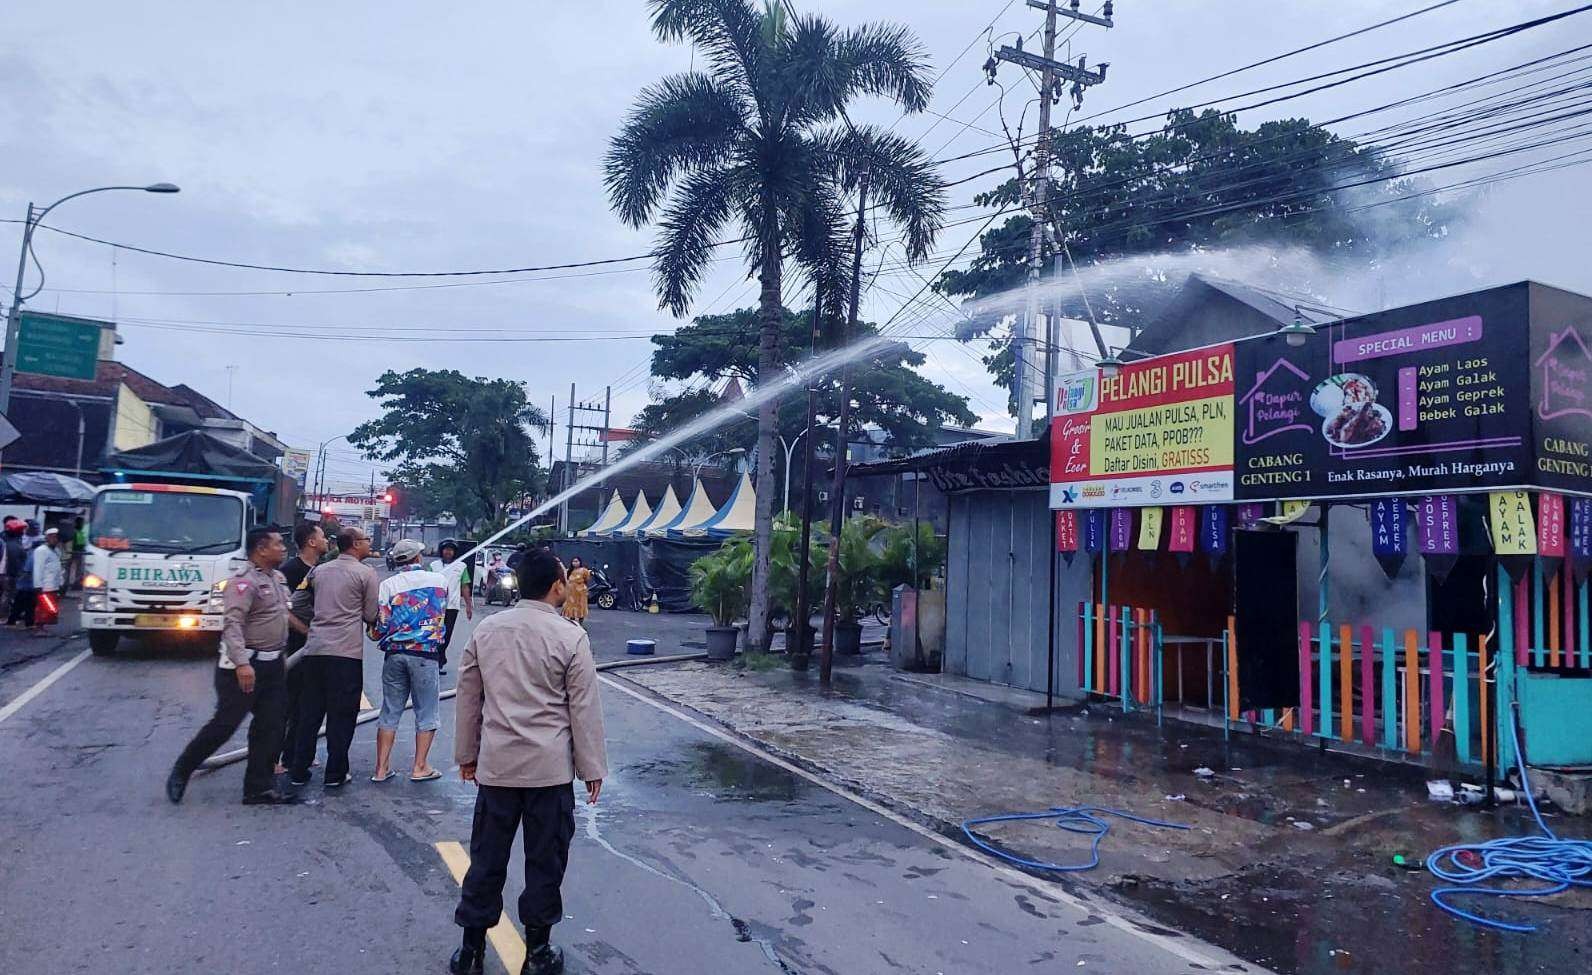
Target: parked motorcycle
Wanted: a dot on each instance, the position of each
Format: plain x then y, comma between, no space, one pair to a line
503,587
600,592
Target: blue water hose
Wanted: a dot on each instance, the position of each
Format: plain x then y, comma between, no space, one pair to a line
1559,864
1088,820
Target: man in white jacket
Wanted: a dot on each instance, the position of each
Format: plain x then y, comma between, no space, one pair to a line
44,562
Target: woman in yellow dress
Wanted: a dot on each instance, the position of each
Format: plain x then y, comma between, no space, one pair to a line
575,596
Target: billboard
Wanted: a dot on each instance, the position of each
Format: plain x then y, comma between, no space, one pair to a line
1158,432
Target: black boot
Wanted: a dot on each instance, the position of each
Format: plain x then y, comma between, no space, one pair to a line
543,959
176,784
470,958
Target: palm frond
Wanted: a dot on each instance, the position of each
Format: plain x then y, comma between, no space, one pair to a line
682,123
729,33
688,231
902,180
886,60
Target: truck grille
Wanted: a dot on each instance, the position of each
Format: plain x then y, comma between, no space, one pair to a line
156,600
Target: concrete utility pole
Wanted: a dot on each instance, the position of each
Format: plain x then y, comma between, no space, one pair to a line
1027,371
837,494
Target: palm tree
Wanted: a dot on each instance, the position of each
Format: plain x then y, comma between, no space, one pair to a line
758,142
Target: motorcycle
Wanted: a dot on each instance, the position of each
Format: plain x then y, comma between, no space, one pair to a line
600,592
503,585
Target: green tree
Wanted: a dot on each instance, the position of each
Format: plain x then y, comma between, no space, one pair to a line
1200,184
757,145
887,391
459,445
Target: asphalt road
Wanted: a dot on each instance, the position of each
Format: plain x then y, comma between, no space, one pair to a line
700,857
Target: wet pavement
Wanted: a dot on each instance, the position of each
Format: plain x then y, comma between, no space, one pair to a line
701,857
1289,861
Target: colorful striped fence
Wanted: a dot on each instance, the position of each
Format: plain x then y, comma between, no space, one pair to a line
1120,654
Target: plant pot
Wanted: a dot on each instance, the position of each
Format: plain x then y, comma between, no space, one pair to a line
722,641
848,638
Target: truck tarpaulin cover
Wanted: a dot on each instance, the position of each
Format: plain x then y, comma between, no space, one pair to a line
193,452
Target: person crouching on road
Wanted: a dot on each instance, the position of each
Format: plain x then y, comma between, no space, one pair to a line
409,630
344,596
250,676
529,724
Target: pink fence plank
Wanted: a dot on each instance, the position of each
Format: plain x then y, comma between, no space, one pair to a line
1367,688
1113,652
1434,665
1307,722
1083,650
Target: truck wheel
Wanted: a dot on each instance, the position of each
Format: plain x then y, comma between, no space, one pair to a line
103,642
606,601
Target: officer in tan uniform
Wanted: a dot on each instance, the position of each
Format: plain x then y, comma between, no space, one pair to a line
251,676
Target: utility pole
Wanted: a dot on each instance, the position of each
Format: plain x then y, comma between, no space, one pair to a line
837,493
569,450
608,421
1051,72
570,443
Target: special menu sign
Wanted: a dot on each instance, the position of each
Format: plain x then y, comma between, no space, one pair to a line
1423,399
1159,431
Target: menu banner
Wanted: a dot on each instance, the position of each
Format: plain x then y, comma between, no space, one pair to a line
1429,397
1094,531
1509,517
1581,537
1067,533
1159,430
1437,518
1215,529
1288,512
1121,529
1183,529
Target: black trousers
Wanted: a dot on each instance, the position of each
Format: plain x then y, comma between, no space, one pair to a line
546,819
265,731
328,691
295,687
449,617
23,603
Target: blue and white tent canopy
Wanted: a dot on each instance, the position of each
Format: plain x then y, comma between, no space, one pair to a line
697,510
738,515
667,508
609,519
640,512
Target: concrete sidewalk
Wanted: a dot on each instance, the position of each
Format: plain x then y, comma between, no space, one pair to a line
1288,859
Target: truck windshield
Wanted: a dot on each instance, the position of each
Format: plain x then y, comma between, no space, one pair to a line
166,521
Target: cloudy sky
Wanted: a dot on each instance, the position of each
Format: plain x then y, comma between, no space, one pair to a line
394,137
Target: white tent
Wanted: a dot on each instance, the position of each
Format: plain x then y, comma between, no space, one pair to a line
665,512
609,519
640,513
739,513
697,510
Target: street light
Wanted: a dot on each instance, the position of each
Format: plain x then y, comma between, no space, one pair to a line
790,449
1110,366
732,452
8,362
1297,333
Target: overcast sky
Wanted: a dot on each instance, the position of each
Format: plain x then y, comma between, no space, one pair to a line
397,137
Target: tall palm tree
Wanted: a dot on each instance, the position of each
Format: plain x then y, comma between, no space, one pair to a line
756,145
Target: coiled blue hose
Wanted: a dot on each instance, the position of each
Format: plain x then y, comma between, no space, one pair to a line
1560,864
1074,819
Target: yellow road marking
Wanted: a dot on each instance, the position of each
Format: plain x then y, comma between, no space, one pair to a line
506,940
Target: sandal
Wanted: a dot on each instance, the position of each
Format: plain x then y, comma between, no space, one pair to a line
378,779
433,774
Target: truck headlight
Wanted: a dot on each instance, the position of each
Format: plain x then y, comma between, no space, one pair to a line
216,603
92,581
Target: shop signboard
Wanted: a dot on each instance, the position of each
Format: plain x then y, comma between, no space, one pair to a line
1561,389
1419,399
1158,432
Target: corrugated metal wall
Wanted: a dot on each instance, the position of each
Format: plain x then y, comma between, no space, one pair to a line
996,576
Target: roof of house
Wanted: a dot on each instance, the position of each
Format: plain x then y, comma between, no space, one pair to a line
1262,310
106,378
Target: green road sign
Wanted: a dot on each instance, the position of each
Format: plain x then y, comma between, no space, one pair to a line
56,345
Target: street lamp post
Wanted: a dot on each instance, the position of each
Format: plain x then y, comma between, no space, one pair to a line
8,362
732,452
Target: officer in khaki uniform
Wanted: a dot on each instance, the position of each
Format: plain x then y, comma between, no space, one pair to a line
251,676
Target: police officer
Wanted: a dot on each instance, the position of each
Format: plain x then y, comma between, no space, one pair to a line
251,676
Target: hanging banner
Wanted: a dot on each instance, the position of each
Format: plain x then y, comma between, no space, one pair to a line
1150,529
1067,534
1121,529
1550,532
1580,547
1159,429
1183,530
1214,531
1561,389
1250,513
1094,531
1389,534
1437,515
1288,512
1514,536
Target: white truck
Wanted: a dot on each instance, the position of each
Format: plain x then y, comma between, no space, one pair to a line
158,560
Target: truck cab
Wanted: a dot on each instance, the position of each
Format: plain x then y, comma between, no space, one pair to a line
159,558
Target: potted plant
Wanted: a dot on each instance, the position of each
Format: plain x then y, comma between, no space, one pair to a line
912,562
719,587
783,576
857,587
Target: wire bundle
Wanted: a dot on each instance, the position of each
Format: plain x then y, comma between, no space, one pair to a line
1088,820
1560,864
